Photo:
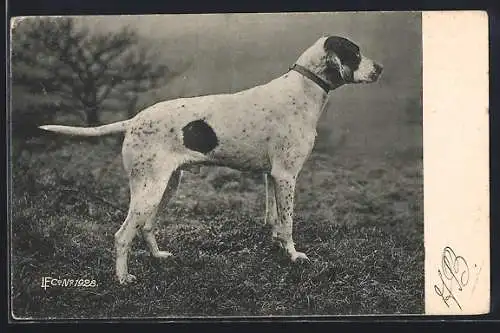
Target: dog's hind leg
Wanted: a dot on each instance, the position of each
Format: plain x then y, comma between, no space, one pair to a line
150,225
147,185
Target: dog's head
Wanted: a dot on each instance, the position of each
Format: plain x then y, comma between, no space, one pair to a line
344,57
339,60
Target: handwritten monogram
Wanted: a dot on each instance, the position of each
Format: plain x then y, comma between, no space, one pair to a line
454,275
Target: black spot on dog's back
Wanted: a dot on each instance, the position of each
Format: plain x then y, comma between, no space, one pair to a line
199,136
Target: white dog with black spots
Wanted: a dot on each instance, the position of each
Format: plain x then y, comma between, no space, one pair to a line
269,128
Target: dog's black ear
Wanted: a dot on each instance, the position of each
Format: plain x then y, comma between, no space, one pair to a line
335,70
342,55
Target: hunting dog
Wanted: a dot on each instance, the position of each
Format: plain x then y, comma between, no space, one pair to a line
270,128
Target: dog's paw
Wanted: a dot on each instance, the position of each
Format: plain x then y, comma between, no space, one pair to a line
163,254
298,256
127,278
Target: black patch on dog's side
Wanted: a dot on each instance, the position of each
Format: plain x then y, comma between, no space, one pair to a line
199,136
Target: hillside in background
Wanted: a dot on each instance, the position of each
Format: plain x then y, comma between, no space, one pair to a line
231,52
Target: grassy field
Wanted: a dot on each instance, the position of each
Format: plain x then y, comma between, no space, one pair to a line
359,219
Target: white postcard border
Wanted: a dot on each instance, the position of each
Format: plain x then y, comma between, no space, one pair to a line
456,162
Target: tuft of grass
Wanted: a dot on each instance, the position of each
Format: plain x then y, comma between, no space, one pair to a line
359,221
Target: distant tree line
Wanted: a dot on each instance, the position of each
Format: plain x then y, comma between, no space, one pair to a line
58,67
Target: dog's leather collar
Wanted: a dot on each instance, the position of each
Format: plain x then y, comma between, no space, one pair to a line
310,75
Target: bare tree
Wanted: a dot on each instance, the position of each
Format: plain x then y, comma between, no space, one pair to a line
143,78
81,70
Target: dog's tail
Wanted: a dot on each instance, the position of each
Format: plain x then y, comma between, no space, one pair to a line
117,127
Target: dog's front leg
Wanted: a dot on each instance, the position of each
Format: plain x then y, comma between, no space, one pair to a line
284,186
271,210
